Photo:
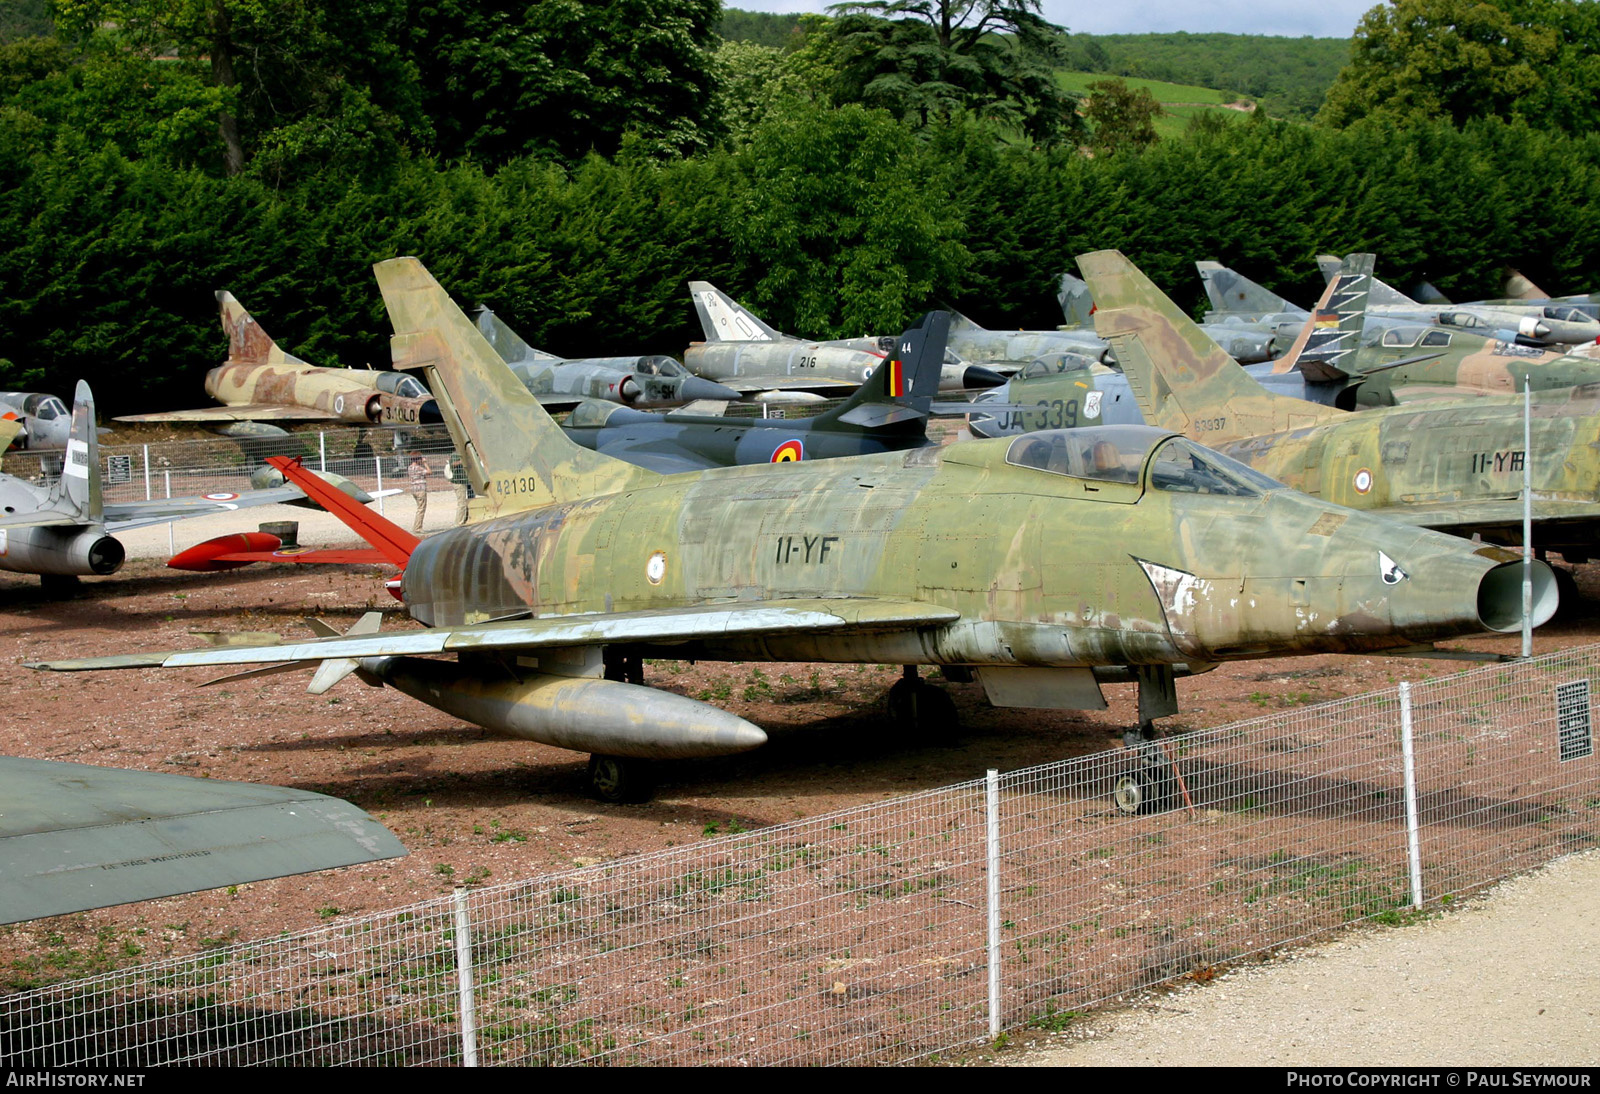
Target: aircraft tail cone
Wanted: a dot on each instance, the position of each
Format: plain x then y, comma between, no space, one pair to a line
976,376
1500,596
698,387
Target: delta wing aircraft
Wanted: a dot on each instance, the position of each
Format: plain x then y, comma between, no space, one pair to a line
43,420
745,354
1245,342
64,530
1388,362
260,382
75,836
561,382
1537,323
886,414
1455,467
1042,565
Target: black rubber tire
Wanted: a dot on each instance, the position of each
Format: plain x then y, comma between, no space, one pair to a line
1145,790
923,710
621,780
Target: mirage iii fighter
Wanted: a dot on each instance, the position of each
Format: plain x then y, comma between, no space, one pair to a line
260,382
1041,566
43,420
651,380
744,353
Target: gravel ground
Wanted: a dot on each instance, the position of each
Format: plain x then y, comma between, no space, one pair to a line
1509,979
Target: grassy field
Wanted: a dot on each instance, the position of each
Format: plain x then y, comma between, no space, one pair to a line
1180,102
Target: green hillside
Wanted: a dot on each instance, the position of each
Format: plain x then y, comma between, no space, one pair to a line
1180,102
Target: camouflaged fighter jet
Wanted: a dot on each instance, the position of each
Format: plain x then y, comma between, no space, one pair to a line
42,420
1009,350
888,413
1388,362
1244,342
560,382
1042,566
260,382
1063,392
745,354
64,530
1455,467
75,836
1539,324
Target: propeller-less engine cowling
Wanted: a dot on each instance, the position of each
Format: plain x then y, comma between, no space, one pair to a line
77,551
352,408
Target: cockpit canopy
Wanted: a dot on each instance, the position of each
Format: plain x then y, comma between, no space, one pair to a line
1416,335
1132,453
593,413
1055,364
659,366
398,383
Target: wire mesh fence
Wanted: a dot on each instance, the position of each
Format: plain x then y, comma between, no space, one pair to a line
890,932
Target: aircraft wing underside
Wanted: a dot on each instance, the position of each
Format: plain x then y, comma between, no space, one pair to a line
651,627
245,412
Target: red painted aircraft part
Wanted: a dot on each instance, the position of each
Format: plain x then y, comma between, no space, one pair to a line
221,553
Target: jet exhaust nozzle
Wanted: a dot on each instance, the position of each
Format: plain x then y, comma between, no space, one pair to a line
1500,596
62,551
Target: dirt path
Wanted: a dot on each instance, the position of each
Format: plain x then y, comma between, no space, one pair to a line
1509,979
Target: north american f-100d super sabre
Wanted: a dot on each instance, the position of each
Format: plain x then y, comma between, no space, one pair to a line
1042,566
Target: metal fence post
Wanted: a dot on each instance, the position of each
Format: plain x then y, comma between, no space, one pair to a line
377,464
172,547
1408,758
322,451
146,472
991,828
469,1010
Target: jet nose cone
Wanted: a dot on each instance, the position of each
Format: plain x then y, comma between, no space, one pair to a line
697,387
977,376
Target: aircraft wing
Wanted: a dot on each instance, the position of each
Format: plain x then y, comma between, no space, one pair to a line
122,515
838,616
1462,518
746,384
74,836
245,412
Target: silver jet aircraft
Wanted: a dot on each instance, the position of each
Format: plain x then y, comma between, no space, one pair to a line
650,380
744,353
43,420
64,530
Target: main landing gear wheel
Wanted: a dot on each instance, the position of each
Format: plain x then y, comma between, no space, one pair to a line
1145,791
919,707
621,779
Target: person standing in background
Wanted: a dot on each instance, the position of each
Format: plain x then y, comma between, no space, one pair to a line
417,475
457,475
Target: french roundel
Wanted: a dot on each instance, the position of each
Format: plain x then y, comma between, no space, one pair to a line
791,451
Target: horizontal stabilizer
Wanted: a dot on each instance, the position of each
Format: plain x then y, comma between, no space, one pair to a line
73,836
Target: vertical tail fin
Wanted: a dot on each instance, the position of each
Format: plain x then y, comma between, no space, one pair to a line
1518,287
1229,291
904,385
515,455
1336,323
1380,292
1077,302
248,344
507,342
1182,379
724,320
79,490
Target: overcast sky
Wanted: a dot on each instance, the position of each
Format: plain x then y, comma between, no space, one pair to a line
1325,19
